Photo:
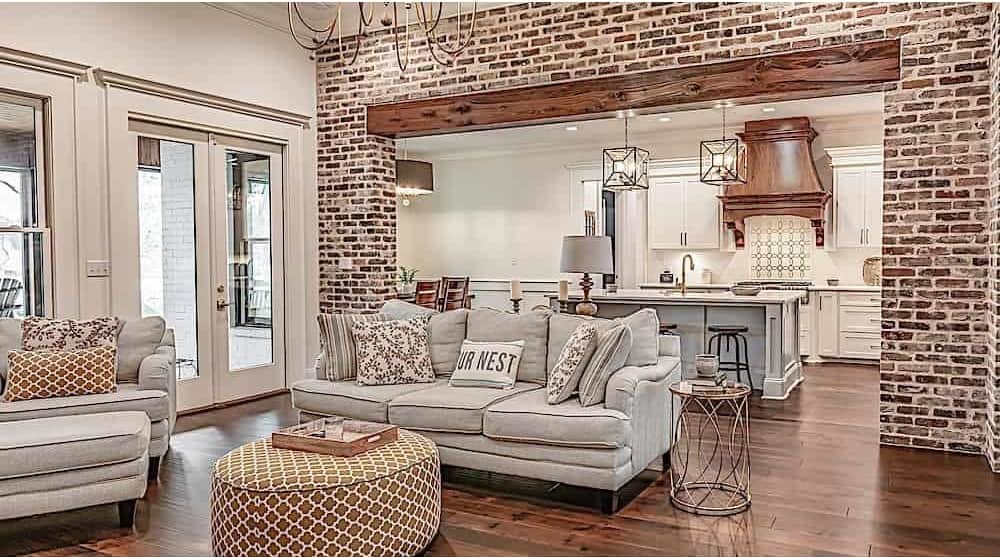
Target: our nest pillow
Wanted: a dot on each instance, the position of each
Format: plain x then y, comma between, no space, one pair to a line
393,352
490,364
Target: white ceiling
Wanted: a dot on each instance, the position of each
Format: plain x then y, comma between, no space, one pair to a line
318,14
610,130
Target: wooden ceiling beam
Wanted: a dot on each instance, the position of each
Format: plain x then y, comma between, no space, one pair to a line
834,70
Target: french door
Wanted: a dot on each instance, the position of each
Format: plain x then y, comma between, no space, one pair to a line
210,249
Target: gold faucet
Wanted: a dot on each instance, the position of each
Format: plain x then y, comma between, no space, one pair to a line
685,262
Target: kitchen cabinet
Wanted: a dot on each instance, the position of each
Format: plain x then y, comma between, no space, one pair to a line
827,324
857,195
806,323
683,213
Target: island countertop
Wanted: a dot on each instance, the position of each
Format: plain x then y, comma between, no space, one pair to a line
672,297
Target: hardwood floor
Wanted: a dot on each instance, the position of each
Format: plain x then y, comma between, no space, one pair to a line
821,486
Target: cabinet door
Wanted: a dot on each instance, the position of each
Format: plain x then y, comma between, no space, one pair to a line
873,205
827,327
665,213
701,207
849,193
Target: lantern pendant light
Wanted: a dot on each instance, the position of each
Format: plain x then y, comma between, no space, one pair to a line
723,161
625,168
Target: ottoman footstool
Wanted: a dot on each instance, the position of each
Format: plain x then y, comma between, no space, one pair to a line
68,462
382,503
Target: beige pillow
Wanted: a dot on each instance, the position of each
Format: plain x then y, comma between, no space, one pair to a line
613,347
487,364
393,352
565,376
336,338
56,373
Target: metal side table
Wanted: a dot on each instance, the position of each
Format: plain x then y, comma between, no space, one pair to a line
710,451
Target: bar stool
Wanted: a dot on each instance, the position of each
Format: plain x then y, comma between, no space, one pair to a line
668,328
735,334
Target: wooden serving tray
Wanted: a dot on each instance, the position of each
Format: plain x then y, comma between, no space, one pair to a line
358,437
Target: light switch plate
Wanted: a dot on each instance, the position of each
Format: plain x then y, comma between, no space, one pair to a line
98,268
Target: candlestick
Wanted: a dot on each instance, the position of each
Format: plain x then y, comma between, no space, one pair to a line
563,290
515,289
516,302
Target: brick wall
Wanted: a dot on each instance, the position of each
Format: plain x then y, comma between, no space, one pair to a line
935,330
992,447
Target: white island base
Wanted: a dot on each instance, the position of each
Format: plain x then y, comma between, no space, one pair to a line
772,317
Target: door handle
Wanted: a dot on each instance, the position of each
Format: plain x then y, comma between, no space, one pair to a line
221,304
862,239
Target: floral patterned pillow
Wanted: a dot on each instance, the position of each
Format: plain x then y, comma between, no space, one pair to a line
393,352
565,375
39,333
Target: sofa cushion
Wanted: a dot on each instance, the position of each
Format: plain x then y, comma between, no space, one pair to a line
613,347
447,408
156,405
138,338
401,309
529,418
532,327
10,339
645,327
348,399
445,333
47,445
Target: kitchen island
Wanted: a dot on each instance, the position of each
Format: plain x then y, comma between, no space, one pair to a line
772,317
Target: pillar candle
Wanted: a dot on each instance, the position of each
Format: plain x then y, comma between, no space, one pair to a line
564,290
515,290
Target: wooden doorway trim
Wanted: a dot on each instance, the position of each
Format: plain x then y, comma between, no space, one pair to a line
835,70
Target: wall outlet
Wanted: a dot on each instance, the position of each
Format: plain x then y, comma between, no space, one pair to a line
345,264
98,268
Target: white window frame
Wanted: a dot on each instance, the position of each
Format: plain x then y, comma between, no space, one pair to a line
41,226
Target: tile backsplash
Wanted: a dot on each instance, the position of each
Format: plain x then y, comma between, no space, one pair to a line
780,248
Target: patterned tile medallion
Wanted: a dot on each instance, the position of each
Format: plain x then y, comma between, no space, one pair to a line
269,501
780,248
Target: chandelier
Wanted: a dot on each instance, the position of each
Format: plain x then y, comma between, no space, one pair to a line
723,161
625,167
444,42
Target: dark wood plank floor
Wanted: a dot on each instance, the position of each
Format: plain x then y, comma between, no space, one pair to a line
821,486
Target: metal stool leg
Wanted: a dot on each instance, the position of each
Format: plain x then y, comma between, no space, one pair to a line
746,359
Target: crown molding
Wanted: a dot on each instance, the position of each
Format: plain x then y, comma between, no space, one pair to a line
130,83
855,156
42,63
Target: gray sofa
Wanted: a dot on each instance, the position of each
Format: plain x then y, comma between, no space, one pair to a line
146,382
516,431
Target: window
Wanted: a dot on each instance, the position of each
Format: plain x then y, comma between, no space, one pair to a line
24,238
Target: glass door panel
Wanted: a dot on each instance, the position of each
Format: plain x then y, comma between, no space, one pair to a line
248,241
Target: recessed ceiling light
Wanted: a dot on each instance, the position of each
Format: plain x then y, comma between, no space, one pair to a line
767,109
571,128
665,118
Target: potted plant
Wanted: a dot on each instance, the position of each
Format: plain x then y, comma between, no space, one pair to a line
407,281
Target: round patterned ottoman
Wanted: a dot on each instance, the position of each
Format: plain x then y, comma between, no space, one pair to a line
269,501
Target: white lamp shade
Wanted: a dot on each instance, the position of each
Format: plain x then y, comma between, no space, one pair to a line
587,254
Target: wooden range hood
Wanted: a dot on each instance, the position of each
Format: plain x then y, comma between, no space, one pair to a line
781,177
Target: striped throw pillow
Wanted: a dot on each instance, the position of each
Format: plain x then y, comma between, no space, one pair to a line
487,364
613,347
340,351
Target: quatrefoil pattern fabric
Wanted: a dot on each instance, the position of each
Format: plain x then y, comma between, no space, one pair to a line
53,373
270,501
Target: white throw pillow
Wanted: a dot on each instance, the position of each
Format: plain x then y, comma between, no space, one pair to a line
565,376
393,352
613,348
487,364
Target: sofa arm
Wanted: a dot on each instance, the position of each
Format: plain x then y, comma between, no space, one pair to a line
624,384
158,371
319,369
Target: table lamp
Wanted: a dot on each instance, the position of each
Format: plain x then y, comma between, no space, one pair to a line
586,254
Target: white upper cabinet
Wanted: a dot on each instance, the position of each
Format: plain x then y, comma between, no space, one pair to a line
683,213
857,195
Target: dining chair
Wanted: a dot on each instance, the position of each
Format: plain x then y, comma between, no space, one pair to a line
454,293
427,293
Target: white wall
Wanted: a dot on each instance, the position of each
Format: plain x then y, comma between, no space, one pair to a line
501,215
186,45
189,45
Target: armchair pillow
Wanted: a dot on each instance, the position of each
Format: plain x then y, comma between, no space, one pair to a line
565,376
56,373
487,364
645,327
613,348
39,333
138,338
393,352
336,338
